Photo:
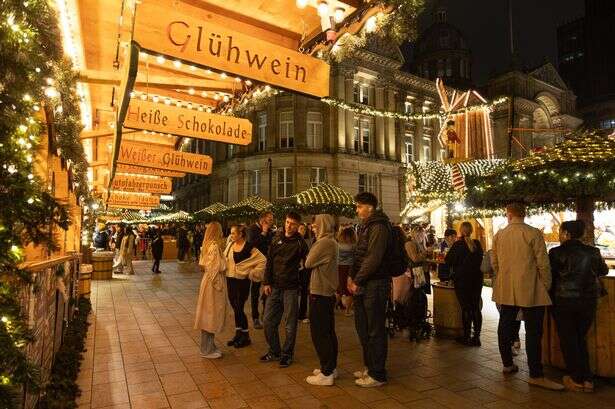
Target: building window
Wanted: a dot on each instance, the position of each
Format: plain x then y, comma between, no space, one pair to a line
285,182
449,67
261,143
608,123
225,188
361,93
255,183
409,148
426,70
231,151
287,123
443,154
462,68
314,130
408,108
318,176
367,183
440,68
362,134
426,148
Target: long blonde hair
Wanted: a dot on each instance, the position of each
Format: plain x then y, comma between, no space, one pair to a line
213,234
466,232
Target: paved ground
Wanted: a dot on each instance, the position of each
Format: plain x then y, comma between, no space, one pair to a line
143,353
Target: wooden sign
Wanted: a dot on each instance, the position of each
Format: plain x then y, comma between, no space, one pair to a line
130,199
142,184
157,117
152,156
169,32
140,170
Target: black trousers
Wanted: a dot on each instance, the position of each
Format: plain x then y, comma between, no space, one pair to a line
507,330
469,297
573,319
238,292
156,265
322,329
304,291
255,297
370,322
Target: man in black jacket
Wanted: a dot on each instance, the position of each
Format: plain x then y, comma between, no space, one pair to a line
286,254
370,283
259,236
576,269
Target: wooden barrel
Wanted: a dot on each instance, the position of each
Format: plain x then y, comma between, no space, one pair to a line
446,311
600,338
102,265
85,280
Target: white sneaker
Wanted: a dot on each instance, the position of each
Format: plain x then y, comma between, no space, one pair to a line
335,373
213,355
516,348
360,374
368,382
321,380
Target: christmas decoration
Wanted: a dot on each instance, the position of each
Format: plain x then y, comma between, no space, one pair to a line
246,210
210,213
178,217
578,171
323,198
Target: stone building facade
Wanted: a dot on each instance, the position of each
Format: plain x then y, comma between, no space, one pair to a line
299,141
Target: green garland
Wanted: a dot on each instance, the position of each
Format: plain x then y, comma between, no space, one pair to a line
62,390
583,166
31,72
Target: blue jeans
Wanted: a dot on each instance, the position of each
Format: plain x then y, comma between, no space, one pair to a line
370,321
281,303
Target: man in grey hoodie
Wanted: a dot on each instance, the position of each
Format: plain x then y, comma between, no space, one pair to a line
323,260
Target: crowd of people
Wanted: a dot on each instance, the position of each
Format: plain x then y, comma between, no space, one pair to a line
302,272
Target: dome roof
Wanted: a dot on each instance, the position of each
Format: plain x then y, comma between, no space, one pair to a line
438,37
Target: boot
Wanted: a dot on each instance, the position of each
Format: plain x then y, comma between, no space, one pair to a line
475,341
235,338
466,322
243,341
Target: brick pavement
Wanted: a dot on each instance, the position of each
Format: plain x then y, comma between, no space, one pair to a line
143,353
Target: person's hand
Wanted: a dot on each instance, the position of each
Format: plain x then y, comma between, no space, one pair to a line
352,287
267,290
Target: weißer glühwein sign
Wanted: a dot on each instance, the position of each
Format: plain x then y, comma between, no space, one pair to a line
153,116
122,199
168,32
142,184
152,156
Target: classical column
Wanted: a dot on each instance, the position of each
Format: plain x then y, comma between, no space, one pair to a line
380,125
349,116
391,140
340,114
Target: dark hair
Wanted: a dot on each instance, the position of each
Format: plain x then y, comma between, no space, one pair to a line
294,215
241,229
347,235
576,228
265,214
366,198
450,232
516,209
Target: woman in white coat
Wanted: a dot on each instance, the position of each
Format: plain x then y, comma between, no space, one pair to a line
211,309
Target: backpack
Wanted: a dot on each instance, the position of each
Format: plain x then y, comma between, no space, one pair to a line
396,252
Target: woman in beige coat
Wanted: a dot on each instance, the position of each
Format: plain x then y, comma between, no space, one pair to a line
211,306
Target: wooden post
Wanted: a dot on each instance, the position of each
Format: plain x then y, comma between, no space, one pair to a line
585,212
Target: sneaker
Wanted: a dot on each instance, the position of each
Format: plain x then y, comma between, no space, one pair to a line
360,374
510,369
368,382
335,373
243,340
321,380
269,357
516,348
213,355
474,341
258,324
285,361
546,384
588,386
571,385
305,320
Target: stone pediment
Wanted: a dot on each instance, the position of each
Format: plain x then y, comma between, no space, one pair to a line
547,73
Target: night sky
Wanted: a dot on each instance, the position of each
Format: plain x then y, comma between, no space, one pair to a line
485,26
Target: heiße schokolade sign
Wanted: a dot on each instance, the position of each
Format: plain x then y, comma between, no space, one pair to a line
132,199
163,118
152,156
142,184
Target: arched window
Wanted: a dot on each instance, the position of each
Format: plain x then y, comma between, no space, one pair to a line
449,67
440,68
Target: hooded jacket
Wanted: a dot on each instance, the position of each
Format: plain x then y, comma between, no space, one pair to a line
373,240
284,261
323,258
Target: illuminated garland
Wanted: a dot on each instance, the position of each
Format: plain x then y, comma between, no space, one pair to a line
247,209
369,111
581,167
321,199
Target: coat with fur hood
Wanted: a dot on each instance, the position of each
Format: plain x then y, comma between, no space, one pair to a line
323,258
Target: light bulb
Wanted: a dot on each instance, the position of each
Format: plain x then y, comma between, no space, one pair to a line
177,63
339,15
191,91
370,24
302,3
160,59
